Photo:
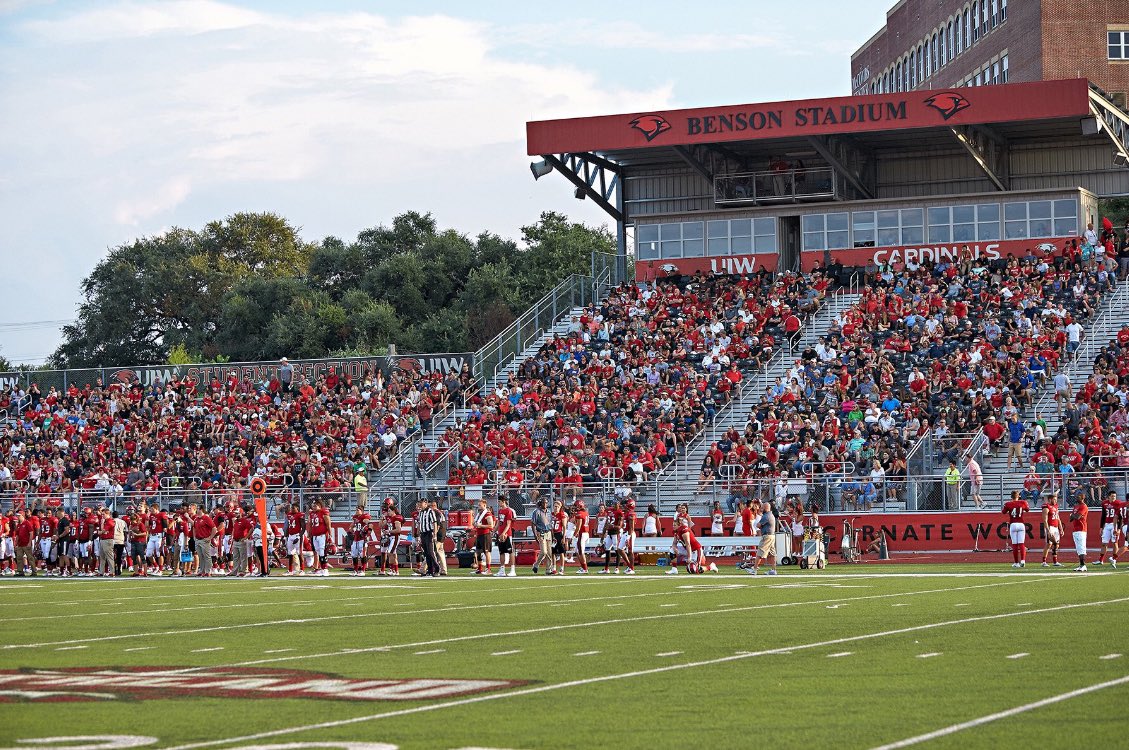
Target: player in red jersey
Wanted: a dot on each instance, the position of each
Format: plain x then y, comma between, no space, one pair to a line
157,522
1123,519
560,520
484,529
685,541
139,534
580,535
1052,526
1110,510
45,533
361,533
1017,531
295,531
391,524
317,525
504,538
1078,520
628,534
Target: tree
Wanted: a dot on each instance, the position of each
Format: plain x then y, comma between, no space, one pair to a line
1116,209
555,248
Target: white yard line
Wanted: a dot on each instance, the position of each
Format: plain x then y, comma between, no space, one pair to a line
205,650
214,628
506,653
553,628
659,670
277,650
954,728
837,655
140,648
929,655
670,653
432,651
587,653
1019,655
1107,657
70,648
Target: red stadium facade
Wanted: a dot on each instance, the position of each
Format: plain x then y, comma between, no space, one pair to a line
860,181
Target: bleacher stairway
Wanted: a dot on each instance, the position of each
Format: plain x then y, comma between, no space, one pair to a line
678,482
1112,316
400,474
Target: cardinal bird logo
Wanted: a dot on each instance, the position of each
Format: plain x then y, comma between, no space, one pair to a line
650,125
124,376
409,364
948,103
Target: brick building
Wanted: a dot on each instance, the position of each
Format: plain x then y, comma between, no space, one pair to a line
935,44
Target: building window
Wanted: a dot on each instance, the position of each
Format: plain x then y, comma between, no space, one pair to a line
975,21
825,231
1118,45
951,42
898,227
996,72
1003,69
988,221
958,38
1003,10
967,29
940,224
933,51
995,13
941,59
647,242
736,237
1044,218
863,228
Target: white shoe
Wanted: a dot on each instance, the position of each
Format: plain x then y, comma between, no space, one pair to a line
771,572
1045,565
157,573
1113,564
1057,565
1099,562
713,567
672,572
288,573
513,573
1080,569
581,572
1015,565
602,572
629,572
1023,563
500,574
751,571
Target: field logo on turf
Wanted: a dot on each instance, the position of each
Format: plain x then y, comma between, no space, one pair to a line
140,683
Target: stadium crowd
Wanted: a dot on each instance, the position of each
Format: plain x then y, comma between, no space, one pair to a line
636,378
947,349
105,442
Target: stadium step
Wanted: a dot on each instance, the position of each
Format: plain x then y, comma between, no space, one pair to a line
400,473
1111,317
678,483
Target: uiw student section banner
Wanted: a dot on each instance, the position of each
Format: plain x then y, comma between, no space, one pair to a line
255,372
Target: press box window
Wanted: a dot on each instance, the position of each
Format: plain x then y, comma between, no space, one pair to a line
647,242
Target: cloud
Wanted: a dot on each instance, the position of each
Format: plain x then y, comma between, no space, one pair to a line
152,103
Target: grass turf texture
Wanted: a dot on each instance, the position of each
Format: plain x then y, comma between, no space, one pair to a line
789,690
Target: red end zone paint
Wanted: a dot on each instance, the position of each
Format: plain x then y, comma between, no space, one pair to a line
141,683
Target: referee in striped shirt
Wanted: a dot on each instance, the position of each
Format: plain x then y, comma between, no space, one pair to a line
425,530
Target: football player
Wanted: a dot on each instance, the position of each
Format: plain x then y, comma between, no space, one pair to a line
504,538
1053,526
580,526
318,527
1017,531
1110,510
1078,520
295,530
484,530
390,527
361,531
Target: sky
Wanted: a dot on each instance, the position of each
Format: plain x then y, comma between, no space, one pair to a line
121,119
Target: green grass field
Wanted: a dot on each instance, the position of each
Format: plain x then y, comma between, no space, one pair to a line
846,658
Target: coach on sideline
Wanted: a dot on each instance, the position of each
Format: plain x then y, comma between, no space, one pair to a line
425,529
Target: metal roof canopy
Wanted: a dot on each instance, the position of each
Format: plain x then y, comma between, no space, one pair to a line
849,134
